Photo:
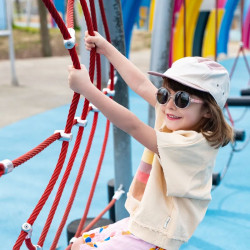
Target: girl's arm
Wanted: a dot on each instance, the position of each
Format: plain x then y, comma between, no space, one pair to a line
120,116
135,79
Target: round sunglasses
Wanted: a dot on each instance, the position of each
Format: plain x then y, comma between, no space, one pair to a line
181,98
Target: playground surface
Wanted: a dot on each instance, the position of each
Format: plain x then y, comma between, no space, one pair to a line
31,112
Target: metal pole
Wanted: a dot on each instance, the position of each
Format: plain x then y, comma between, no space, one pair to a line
160,44
14,80
122,141
104,61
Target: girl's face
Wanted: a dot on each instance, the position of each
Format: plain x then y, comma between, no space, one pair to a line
183,119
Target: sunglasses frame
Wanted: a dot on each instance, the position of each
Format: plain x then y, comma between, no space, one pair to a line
190,100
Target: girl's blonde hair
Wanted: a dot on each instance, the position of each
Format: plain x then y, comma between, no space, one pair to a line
215,128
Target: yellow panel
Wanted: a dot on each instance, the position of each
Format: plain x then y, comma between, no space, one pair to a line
208,46
151,14
192,13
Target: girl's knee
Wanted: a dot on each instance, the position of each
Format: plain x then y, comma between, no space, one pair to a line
76,244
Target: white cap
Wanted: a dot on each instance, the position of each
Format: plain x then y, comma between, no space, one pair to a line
202,74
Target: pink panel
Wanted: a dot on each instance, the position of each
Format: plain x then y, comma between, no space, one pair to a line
221,4
246,30
177,6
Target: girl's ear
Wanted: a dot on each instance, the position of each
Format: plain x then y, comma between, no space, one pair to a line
207,114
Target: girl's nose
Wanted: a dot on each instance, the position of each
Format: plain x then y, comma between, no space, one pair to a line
170,104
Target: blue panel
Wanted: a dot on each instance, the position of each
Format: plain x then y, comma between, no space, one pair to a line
226,25
61,7
3,19
130,10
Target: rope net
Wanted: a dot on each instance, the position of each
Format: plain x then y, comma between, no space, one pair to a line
65,136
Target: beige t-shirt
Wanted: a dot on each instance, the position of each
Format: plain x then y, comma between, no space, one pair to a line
177,193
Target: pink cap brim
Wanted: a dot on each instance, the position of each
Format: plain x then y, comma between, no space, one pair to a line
156,73
178,80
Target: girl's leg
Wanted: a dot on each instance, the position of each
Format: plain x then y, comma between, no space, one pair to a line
114,237
97,234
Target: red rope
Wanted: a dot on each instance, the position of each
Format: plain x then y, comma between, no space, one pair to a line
106,29
71,162
98,62
184,29
50,6
46,193
91,194
2,169
216,29
69,167
70,14
69,124
60,189
107,126
241,19
29,244
78,178
20,160
93,222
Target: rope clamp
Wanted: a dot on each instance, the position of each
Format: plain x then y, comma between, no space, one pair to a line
108,92
8,166
64,136
115,81
38,247
93,108
80,122
72,240
70,43
118,193
26,227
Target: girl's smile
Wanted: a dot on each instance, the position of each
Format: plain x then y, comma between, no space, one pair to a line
182,119
173,117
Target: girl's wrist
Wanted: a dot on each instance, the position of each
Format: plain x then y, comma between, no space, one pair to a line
107,49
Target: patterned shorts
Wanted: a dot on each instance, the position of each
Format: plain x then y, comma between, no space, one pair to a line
114,237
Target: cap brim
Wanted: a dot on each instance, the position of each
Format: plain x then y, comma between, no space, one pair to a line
156,73
191,85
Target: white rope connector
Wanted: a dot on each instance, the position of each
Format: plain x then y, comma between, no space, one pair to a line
38,247
93,108
80,122
8,166
108,92
26,227
115,81
118,193
73,240
64,136
70,43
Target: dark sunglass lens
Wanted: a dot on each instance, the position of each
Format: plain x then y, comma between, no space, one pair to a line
162,95
182,99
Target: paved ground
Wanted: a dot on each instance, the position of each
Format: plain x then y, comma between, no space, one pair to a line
42,85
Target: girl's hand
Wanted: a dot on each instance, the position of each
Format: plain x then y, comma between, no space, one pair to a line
78,79
96,41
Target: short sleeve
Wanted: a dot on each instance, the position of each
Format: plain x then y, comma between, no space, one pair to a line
187,161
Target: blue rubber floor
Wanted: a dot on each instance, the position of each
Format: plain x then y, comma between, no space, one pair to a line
227,222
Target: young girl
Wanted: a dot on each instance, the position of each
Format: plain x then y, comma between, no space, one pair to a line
170,193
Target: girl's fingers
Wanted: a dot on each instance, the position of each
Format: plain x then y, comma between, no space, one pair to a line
89,46
70,67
